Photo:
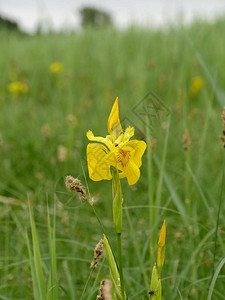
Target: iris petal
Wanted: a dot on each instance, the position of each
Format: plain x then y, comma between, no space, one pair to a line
99,139
139,149
98,163
132,173
114,126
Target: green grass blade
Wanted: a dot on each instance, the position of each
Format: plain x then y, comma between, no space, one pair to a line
136,246
175,198
219,92
213,282
71,289
33,273
37,259
53,292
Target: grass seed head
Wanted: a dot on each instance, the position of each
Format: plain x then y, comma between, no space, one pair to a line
186,140
74,184
105,290
62,153
99,249
46,130
223,117
153,144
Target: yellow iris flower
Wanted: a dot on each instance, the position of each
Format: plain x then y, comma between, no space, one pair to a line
197,84
56,67
17,87
115,150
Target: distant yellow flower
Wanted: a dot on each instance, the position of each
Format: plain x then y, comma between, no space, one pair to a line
115,150
196,86
56,67
17,87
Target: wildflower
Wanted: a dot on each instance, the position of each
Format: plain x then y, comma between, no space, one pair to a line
17,87
161,248
56,67
99,249
74,184
115,150
105,290
196,86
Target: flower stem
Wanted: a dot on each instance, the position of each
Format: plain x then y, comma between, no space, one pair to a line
117,219
120,263
150,187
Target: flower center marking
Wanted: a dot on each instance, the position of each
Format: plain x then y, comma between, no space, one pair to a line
123,157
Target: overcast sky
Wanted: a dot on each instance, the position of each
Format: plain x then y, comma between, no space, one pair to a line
64,13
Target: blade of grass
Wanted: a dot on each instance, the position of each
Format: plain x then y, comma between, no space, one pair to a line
218,213
160,182
72,294
192,259
96,279
175,198
135,243
215,276
219,92
53,291
33,273
150,183
205,201
37,258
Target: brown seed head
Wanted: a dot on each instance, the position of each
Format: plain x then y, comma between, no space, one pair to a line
46,130
186,140
153,144
223,117
99,249
72,120
74,184
105,290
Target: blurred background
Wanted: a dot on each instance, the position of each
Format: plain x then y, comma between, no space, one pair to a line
57,15
62,65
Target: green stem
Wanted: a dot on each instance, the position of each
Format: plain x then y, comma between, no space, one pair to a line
150,187
120,263
117,219
188,182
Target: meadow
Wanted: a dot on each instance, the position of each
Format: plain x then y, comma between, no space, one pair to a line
177,74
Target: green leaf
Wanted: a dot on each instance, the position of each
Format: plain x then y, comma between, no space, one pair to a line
113,266
37,259
156,286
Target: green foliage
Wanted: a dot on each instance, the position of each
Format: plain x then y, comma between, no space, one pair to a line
41,291
8,24
94,17
156,285
113,267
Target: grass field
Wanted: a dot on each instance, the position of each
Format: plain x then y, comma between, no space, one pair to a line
43,139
